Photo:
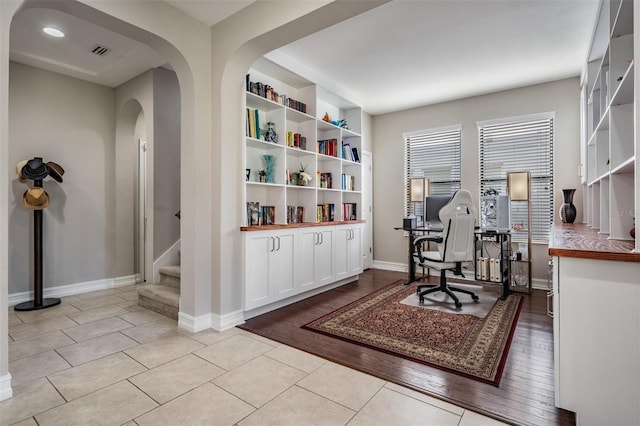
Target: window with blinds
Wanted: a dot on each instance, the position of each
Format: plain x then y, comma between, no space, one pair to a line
433,154
521,144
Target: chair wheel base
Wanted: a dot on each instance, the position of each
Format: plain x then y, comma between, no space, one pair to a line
475,298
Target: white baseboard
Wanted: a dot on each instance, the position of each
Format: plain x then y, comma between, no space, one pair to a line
298,297
194,324
390,266
226,321
168,258
125,281
215,321
73,289
539,284
5,387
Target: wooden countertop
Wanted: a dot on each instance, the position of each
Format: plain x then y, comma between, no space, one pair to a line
297,225
579,240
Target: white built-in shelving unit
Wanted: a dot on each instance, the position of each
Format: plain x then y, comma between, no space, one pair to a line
290,160
609,131
290,259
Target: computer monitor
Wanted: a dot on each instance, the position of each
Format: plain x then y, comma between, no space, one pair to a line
432,206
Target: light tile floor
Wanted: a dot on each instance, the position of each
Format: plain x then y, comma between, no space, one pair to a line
100,359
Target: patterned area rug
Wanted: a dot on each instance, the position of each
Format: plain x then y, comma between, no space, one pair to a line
467,345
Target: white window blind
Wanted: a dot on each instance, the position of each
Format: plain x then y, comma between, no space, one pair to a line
521,144
433,154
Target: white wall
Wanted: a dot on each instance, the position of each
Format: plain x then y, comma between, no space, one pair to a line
388,153
166,160
71,122
134,111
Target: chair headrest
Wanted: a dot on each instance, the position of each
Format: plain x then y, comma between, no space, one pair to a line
462,198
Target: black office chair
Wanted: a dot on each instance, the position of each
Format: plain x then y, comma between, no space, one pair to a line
456,246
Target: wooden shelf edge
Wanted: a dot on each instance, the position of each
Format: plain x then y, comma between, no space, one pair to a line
298,225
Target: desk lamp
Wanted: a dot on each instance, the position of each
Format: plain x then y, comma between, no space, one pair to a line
519,189
418,190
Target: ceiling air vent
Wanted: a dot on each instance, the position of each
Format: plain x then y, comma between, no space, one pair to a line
100,50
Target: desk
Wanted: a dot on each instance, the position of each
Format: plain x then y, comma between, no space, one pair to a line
413,234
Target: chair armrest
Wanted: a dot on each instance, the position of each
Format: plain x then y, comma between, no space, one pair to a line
417,244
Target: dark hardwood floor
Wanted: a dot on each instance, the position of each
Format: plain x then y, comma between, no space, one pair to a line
525,395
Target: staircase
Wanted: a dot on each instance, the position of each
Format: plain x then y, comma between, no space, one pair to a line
163,298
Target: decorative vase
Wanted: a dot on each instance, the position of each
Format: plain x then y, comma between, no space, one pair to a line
270,134
270,167
567,209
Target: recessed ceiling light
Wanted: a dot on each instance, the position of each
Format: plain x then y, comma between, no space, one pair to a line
53,32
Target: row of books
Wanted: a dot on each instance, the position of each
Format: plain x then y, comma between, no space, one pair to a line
349,211
328,147
252,124
349,153
266,215
296,140
325,212
260,215
348,182
267,92
295,214
325,180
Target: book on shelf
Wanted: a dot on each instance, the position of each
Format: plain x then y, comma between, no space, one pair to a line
268,92
295,214
328,147
296,140
347,154
325,180
349,211
325,212
253,213
268,215
354,152
348,182
253,123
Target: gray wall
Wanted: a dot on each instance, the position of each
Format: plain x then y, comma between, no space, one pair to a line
166,145
388,153
71,122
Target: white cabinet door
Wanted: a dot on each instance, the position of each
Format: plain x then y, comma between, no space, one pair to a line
269,264
342,262
315,260
305,274
354,251
281,264
348,250
258,246
324,271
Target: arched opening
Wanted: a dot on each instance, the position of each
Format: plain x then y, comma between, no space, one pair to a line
96,132
94,160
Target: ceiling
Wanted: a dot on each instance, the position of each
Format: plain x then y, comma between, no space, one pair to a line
400,55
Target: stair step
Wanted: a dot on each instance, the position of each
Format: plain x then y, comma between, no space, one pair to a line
160,298
170,275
